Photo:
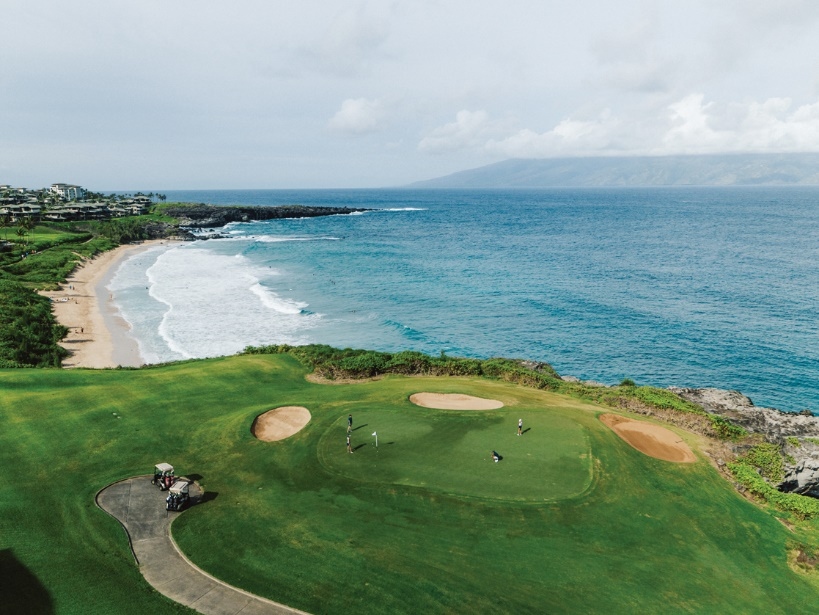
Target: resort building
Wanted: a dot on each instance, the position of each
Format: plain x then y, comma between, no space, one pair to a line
69,192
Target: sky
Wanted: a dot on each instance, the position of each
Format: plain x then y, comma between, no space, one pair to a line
184,94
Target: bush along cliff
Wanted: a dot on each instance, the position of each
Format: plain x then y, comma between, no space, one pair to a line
779,461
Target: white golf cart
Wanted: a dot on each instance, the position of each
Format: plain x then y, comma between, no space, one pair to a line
163,476
178,495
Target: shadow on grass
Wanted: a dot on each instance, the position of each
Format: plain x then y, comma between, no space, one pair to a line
359,446
22,591
527,430
360,427
206,497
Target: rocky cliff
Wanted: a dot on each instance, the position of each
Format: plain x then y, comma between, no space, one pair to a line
797,434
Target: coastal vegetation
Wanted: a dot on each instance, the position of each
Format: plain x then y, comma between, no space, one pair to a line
412,526
28,331
340,364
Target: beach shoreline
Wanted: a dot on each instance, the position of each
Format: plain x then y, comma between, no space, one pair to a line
97,335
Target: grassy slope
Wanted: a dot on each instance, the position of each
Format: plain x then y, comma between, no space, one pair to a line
648,536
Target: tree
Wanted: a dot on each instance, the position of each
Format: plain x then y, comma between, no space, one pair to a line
5,222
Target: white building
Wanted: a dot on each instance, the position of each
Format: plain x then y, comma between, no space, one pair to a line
69,192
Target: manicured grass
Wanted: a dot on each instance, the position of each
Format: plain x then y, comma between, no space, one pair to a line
449,452
304,522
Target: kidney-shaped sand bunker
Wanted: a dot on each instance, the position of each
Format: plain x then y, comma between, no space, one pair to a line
652,440
454,401
280,423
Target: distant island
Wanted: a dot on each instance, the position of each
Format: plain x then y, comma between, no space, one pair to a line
636,171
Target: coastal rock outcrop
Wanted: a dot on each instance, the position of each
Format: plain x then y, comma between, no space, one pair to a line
797,434
213,216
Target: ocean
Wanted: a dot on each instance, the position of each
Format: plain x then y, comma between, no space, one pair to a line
675,286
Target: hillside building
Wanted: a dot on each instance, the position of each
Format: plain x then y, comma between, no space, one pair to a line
69,192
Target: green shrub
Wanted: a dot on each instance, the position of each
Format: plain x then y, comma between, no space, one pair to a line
767,458
725,429
802,506
28,331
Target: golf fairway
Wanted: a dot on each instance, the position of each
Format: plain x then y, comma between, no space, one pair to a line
572,519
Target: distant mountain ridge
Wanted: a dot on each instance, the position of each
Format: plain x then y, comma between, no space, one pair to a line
689,170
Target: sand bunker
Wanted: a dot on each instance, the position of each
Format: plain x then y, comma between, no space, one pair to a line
454,401
650,439
280,423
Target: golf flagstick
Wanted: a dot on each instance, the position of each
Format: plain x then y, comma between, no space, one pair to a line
375,433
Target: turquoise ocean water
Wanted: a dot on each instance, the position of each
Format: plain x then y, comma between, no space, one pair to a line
685,286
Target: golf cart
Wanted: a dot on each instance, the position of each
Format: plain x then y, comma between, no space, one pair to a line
163,476
178,496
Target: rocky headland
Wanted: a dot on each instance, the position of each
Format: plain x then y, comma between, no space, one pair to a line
197,216
796,434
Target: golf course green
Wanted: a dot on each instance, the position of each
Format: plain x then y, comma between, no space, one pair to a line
450,452
572,519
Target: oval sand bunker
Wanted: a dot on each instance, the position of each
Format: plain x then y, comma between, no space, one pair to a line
280,423
454,401
650,439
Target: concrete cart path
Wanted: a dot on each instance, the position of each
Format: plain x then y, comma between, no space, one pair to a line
140,507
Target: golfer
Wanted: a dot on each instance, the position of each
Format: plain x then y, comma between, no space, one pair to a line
520,427
349,423
495,456
349,446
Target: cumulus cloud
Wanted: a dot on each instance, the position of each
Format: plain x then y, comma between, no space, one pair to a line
690,125
468,131
771,125
358,116
570,137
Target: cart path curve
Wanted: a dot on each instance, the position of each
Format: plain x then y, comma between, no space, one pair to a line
140,507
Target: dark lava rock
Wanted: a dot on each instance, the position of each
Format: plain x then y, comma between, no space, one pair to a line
797,434
214,216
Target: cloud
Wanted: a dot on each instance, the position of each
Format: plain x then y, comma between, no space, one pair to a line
349,44
570,137
358,116
771,125
629,58
690,125
468,131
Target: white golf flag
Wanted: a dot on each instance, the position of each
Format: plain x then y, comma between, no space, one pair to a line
375,434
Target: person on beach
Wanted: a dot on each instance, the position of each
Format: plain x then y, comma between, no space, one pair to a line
349,445
520,427
349,423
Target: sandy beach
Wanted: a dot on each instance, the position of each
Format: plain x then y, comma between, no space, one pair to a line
97,336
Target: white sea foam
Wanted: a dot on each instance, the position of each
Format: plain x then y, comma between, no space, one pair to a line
273,238
216,304
276,303
277,238
405,209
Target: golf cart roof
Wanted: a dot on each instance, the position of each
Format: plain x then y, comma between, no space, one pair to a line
164,467
180,486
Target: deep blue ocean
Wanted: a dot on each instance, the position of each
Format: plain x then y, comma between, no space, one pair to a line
679,286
